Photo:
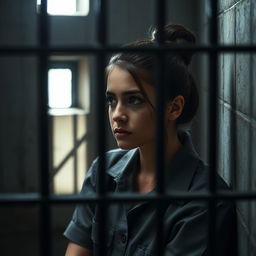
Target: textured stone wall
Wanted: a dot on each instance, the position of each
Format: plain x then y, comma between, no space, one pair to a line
237,112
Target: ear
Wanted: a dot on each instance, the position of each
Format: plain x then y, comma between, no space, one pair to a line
175,108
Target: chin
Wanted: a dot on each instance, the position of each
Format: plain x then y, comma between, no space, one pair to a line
126,146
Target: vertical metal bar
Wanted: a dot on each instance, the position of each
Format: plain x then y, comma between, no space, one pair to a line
102,22
160,81
213,140
45,233
160,20
160,147
101,131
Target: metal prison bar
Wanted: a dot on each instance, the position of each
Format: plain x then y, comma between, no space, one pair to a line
102,207
160,75
45,218
213,71
44,199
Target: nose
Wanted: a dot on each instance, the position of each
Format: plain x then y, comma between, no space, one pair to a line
119,113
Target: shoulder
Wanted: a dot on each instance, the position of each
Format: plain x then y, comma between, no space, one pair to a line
201,179
200,184
225,209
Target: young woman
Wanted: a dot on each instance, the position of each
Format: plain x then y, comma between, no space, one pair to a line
131,98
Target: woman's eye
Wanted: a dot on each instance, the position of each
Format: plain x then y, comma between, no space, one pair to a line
110,100
135,100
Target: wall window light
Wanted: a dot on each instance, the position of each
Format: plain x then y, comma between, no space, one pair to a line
60,88
62,83
64,7
67,7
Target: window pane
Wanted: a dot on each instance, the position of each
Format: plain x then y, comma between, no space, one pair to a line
60,88
66,7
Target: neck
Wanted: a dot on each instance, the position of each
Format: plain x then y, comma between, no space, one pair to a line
148,154
147,159
173,145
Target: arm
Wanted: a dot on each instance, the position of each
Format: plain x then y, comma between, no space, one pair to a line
79,229
76,250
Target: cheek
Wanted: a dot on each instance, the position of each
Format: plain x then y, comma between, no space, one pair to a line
149,114
147,120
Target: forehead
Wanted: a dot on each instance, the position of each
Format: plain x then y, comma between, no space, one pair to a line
120,80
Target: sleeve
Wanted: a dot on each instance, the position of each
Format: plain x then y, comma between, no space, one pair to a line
189,235
80,227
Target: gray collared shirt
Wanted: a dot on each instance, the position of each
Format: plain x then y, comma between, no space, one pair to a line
131,229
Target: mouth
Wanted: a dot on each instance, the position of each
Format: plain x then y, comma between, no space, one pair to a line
121,133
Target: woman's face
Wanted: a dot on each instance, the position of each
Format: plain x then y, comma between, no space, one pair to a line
131,117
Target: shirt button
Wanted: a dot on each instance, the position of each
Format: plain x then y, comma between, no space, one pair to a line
123,238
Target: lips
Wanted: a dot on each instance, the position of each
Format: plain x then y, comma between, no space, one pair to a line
121,133
120,130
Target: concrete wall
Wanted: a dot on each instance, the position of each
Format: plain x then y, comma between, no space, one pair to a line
237,109
19,125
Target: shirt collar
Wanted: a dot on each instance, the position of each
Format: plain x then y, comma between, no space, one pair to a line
178,174
123,170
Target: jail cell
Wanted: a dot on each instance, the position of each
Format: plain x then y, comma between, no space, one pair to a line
46,149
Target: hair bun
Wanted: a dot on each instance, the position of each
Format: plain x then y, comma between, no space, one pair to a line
177,34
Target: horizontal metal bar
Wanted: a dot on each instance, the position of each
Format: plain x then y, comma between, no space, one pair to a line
112,49
14,199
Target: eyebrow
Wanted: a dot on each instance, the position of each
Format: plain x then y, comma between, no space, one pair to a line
125,92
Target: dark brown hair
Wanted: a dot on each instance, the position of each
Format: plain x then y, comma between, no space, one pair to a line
178,78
